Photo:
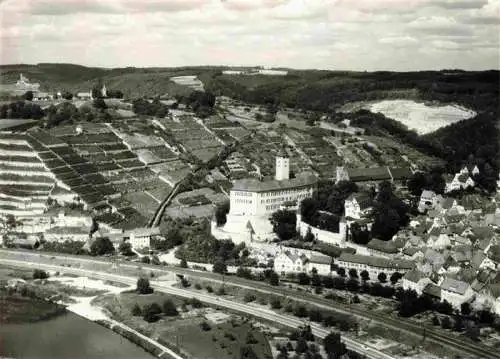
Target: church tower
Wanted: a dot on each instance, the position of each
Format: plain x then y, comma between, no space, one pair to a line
282,166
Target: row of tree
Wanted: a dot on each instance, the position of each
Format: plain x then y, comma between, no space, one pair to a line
21,110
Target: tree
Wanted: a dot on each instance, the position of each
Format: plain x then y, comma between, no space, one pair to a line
146,260
352,285
183,263
300,346
247,352
284,224
465,308
136,310
341,271
143,286
365,276
353,273
274,278
219,267
333,345
101,246
28,95
67,95
309,237
315,279
151,312
244,273
169,308
446,323
125,248
382,277
395,277
359,235
303,278
221,214
99,104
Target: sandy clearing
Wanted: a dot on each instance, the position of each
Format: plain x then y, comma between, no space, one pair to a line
420,117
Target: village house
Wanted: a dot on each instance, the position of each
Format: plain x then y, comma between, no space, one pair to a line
415,280
428,200
460,181
290,262
140,238
381,248
455,291
322,264
373,265
358,205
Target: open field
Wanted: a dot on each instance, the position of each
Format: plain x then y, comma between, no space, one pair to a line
227,333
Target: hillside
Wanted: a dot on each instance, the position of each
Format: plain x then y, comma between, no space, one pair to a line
133,82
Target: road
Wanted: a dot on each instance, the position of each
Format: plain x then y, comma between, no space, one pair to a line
400,324
159,212
258,312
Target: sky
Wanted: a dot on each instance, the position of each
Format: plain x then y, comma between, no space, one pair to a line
399,35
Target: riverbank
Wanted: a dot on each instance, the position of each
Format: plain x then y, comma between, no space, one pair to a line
16,308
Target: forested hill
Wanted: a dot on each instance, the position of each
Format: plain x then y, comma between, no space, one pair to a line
312,89
133,82
329,90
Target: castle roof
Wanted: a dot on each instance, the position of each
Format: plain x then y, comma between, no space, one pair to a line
254,185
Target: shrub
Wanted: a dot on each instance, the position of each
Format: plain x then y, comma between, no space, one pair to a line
205,326
435,321
136,310
169,308
209,289
197,286
143,286
145,260
221,291
40,274
300,311
249,297
446,323
276,303
195,303
151,312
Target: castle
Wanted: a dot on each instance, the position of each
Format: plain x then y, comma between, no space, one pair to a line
253,201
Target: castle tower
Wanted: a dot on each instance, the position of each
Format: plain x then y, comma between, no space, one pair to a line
282,166
342,174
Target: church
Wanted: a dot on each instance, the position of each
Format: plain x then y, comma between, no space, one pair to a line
253,201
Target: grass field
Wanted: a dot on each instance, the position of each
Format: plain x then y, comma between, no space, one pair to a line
223,341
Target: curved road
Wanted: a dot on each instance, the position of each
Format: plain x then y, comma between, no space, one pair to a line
459,344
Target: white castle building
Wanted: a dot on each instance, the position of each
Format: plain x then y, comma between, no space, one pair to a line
23,85
253,201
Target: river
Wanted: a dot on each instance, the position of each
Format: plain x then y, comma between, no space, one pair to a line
67,336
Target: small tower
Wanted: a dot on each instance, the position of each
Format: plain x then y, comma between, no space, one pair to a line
282,166
104,92
342,174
